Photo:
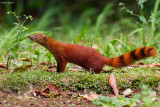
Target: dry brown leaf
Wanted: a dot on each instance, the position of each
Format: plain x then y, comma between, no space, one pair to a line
56,90
92,96
52,66
45,63
82,96
65,93
141,63
28,97
108,71
53,89
147,66
89,97
113,84
74,70
25,59
154,65
33,92
3,66
45,92
39,66
127,92
50,70
25,68
111,95
22,68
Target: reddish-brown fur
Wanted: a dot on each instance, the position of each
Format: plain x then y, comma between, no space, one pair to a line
88,57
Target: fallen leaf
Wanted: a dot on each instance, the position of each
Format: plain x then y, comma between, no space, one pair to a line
50,70
28,97
45,92
52,66
74,70
113,84
92,96
155,99
56,90
39,66
127,92
147,66
53,89
25,68
45,63
25,59
33,92
153,65
89,97
3,66
82,96
111,95
141,63
108,71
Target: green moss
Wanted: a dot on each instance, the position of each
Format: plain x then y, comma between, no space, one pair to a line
78,81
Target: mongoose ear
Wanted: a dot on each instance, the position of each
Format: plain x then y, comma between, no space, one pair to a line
45,38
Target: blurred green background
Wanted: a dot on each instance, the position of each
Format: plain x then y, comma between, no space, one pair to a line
60,15
113,27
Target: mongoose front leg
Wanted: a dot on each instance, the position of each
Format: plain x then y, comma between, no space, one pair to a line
98,71
61,66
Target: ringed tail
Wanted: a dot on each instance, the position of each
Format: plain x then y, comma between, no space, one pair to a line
132,56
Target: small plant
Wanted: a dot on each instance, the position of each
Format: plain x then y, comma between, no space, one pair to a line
121,102
20,29
144,22
82,37
146,97
52,95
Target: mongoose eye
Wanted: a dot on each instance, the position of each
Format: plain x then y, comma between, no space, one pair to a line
45,38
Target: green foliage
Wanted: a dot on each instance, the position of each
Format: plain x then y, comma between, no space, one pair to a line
46,19
92,26
19,29
146,96
145,22
82,35
102,17
141,2
154,20
121,102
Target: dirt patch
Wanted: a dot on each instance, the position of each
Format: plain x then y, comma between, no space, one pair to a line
14,100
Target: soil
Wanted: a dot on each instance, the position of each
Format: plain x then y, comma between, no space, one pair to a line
15,100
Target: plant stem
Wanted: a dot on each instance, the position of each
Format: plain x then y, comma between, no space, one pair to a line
153,22
144,37
23,22
8,59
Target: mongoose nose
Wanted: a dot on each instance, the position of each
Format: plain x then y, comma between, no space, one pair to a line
30,36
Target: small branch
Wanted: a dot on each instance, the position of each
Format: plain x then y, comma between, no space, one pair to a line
8,62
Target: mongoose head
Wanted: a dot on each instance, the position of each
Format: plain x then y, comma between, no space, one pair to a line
39,38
